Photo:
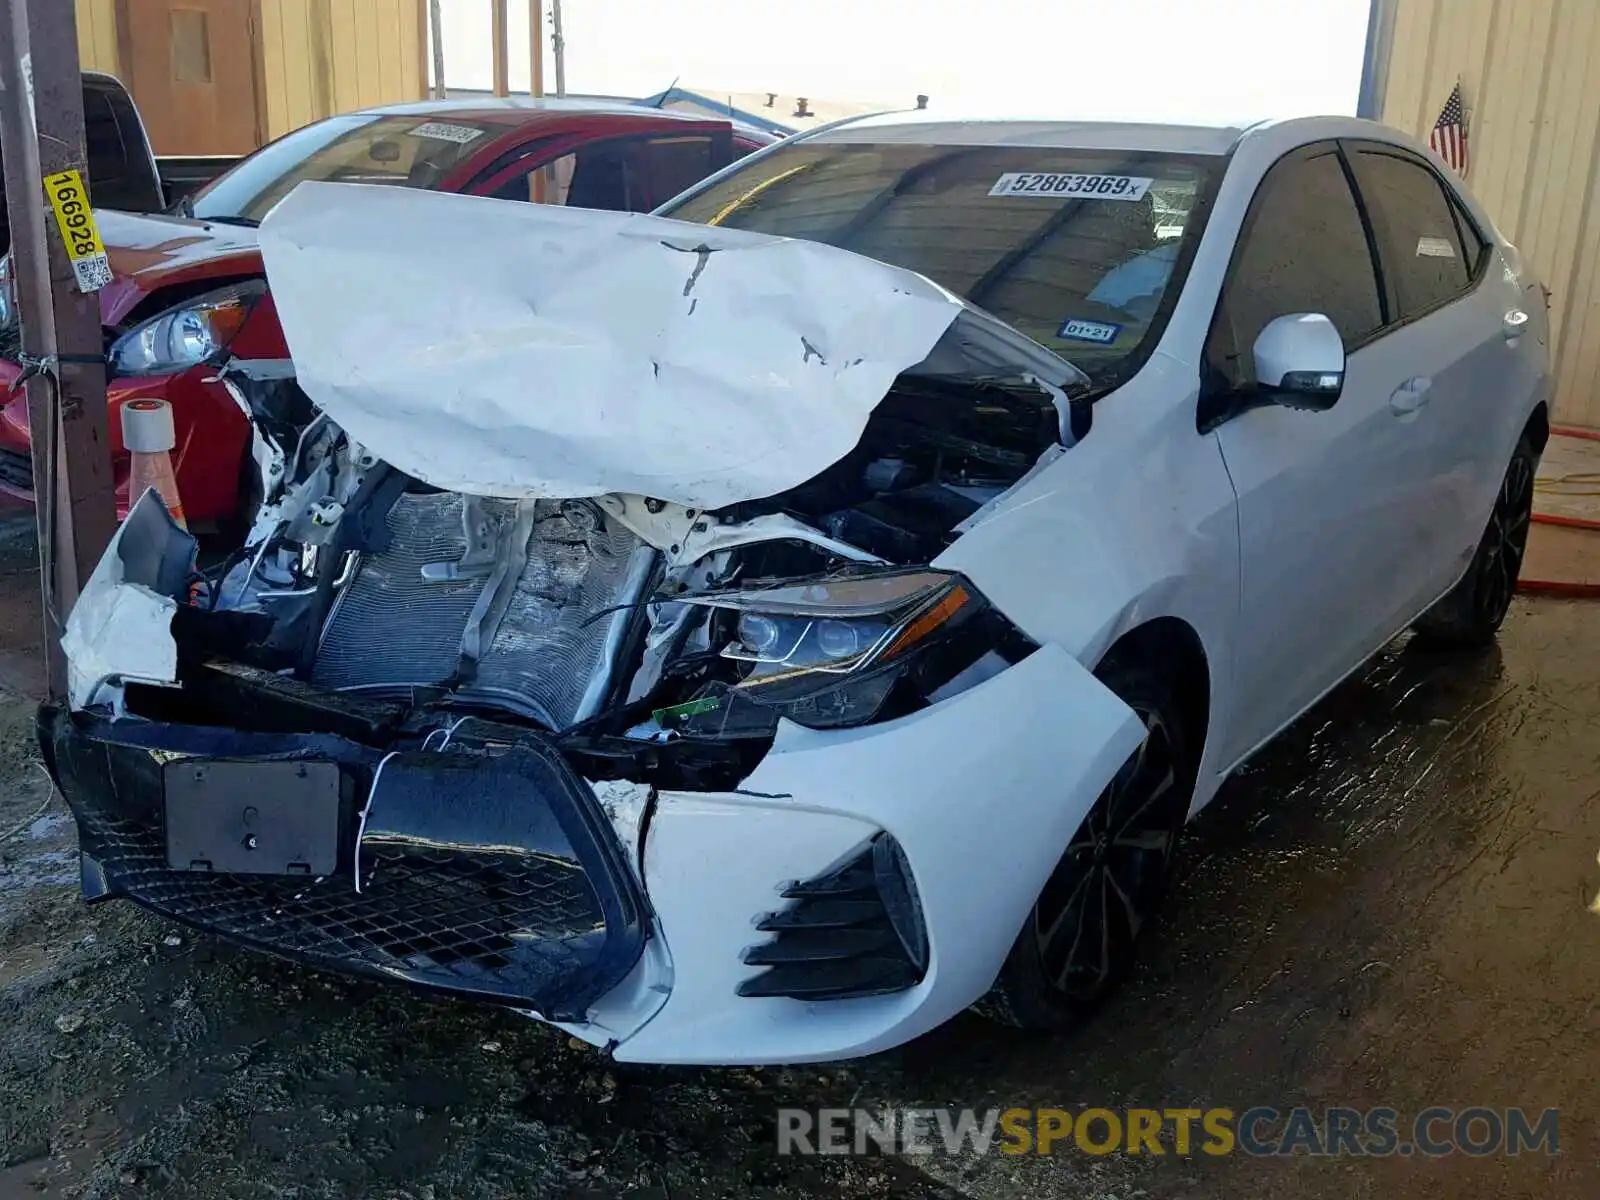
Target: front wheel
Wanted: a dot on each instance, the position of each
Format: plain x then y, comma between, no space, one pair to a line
1471,613
1078,943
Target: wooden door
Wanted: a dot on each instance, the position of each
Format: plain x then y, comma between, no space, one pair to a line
191,66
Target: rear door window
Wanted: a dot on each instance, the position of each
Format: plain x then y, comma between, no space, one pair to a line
1421,239
631,174
1303,250
102,137
675,164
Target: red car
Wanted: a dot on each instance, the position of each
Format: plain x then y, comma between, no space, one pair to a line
189,289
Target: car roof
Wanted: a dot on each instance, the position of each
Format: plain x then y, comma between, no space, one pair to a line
937,129
513,111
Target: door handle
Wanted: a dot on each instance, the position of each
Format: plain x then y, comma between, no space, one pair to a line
1411,395
1514,325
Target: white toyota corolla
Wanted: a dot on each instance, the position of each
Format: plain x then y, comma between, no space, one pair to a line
760,631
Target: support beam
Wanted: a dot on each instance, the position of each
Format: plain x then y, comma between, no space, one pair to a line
536,79
499,47
1375,60
41,127
535,48
424,88
436,30
560,45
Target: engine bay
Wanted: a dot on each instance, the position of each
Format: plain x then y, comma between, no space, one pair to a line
651,642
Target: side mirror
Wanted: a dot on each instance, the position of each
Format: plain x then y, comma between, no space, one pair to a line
1299,362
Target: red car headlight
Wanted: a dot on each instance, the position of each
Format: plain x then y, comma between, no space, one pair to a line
195,331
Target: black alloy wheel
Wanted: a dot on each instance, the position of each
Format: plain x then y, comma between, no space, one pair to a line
1504,543
1471,613
1080,939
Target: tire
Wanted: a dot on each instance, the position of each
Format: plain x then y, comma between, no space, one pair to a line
1470,614
1104,887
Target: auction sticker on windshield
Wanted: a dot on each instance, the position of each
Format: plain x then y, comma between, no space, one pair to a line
69,199
444,131
1057,183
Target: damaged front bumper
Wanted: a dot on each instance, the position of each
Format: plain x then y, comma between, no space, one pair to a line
479,868
650,922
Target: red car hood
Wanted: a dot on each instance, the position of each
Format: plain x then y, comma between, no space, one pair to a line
151,252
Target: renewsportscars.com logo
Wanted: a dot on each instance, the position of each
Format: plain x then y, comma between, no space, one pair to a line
1262,1132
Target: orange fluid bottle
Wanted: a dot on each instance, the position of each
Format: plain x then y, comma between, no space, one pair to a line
148,433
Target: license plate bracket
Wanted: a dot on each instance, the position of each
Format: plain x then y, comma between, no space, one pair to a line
247,817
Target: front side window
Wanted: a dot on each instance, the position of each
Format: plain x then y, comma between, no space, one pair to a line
402,151
1419,234
1303,250
1083,251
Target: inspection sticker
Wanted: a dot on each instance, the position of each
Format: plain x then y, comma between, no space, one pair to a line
1102,333
443,131
69,199
1435,247
1055,183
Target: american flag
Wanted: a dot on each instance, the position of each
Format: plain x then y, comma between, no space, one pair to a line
1449,136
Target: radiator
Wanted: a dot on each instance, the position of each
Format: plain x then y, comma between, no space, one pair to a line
551,640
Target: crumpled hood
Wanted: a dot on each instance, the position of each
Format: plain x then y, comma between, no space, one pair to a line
508,349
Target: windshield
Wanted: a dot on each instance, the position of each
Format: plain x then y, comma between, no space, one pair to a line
1080,250
409,151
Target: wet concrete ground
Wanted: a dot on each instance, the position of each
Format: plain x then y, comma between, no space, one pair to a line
1391,906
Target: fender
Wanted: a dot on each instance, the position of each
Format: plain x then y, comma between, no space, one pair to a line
1136,522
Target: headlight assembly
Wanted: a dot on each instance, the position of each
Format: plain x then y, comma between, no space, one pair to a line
829,652
190,333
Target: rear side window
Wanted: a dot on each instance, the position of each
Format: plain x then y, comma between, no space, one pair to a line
1420,234
675,164
1303,250
1471,240
622,175
102,138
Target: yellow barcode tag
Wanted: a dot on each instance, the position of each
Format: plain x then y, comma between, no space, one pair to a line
70,201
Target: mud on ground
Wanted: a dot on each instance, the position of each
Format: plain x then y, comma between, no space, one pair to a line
1390,906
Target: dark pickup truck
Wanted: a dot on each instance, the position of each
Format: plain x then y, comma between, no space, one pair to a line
123,173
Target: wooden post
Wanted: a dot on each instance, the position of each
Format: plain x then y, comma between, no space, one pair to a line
536,81
535,48
435,25
424,89
41,126
499,48
560,46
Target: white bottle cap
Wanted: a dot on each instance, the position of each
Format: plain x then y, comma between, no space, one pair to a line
147,426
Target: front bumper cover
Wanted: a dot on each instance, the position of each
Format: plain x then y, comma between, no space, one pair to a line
979,791
486,871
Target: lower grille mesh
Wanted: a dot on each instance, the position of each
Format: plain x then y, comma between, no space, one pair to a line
393,629
447,919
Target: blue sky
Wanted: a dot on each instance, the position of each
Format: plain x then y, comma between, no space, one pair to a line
1140,59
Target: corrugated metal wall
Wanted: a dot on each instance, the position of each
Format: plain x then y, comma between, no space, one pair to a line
1530,75
97,35
321,57
318,57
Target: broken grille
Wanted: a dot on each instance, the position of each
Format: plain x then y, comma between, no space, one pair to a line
499,929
